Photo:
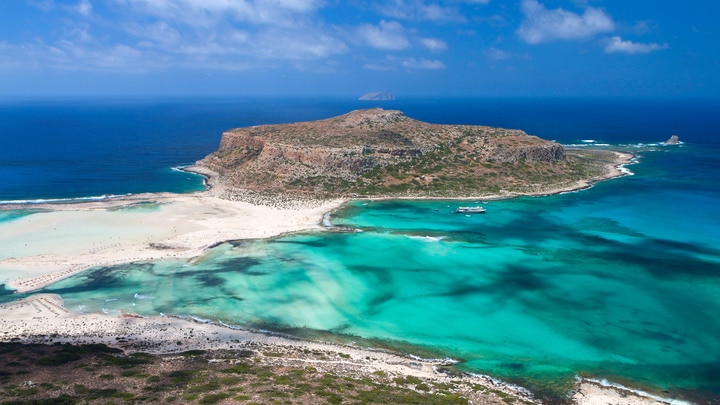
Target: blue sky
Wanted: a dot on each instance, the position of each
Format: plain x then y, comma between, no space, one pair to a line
328,47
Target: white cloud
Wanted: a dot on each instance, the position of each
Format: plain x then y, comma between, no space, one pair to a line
434,44
206,12
618,45
542,24
69,55
143,35
159,32
393,63
117,56
224,34
422,63
379,67
641,27
84,8
497,54
276,44
388,35
418,10
222,49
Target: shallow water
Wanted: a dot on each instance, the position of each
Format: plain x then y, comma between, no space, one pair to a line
606,282
621,281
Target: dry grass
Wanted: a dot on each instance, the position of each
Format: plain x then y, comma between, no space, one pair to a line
380,153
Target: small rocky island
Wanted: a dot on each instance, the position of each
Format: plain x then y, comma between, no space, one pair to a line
384,153
673,140
377,96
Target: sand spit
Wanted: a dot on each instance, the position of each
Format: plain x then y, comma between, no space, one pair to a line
45,247
64,239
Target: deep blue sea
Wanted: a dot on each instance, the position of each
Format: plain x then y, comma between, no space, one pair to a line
618,282
93,147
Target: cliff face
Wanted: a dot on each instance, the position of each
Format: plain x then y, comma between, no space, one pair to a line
379,152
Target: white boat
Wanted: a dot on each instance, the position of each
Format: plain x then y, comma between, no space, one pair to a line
470,210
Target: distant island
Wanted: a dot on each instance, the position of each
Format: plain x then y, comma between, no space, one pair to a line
377,95
383,153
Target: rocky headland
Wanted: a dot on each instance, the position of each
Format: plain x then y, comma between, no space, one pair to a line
383,153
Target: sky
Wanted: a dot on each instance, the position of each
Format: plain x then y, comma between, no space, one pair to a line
477,48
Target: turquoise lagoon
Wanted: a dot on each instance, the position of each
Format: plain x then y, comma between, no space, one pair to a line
620,281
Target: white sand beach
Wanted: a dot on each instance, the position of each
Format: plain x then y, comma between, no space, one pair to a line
61,240
593,393
65,239
44,247
41,318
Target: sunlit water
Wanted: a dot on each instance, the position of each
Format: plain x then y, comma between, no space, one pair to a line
620,281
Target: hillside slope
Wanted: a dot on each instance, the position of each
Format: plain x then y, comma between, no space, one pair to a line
383,153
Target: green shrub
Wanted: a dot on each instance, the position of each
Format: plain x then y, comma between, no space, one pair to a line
213,398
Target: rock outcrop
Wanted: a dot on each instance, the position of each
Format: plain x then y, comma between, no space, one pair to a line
673,140
378,152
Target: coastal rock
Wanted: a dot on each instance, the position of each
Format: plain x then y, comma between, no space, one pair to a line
673,140
377,96
377,152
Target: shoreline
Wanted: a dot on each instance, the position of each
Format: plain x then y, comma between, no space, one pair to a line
65,239
201,220
43,319
614,170
222,221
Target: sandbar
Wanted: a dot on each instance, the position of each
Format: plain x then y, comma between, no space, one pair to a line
64,239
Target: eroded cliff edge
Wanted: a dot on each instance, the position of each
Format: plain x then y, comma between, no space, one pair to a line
383,153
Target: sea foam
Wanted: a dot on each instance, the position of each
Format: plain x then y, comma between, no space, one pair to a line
104,197
605,383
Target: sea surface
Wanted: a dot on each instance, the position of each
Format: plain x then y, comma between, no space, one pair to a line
618,282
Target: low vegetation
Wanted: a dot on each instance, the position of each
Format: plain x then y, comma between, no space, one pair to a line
384,153
96,374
